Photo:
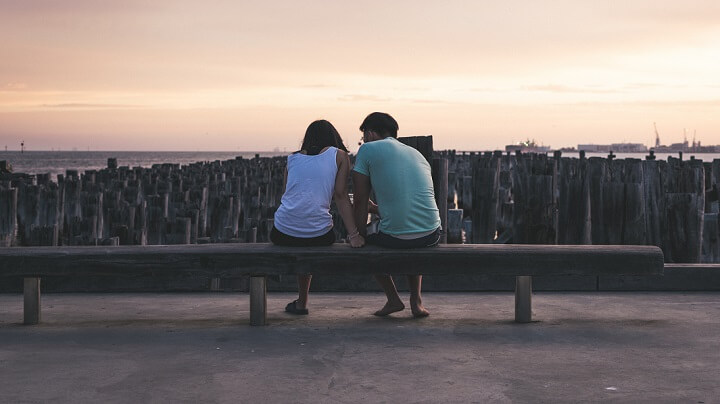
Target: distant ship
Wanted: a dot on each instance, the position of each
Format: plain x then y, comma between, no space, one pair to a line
528,146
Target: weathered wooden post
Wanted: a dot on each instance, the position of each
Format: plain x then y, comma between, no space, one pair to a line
157,208
92,207
685,210
715,187
574,202
634,218
8,216
467,193
440,184
179,231
452,192
50,218
654,196
454,223
27,211
598,175
485,191
711,239
72,208
534,210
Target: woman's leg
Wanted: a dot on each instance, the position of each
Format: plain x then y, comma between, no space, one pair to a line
303,282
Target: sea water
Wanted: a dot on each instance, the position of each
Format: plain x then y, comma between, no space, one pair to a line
57,162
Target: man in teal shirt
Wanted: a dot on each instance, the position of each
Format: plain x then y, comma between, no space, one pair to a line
402,181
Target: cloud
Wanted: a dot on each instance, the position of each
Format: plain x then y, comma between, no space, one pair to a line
91,106
485,89
559,88
45,7
318,85
14,86
363,97
637,86
411,89
647,103
429,101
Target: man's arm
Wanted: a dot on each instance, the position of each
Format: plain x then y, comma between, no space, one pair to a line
361,195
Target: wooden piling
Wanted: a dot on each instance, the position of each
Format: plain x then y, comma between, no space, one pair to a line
8,216
440,185
685,199
711,239
574,224
485,190
454,223
535,209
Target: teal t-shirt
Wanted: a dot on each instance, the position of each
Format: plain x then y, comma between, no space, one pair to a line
402,181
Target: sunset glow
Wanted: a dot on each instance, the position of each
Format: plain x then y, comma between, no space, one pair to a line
182,75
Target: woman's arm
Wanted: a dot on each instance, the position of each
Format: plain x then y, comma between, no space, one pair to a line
343,202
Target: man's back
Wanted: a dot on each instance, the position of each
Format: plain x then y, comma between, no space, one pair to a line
402,181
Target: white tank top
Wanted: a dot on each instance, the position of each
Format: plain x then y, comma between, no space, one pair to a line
305,206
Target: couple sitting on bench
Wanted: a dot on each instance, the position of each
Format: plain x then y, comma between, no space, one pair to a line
399,176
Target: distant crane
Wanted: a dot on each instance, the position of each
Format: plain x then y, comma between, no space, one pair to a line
657,136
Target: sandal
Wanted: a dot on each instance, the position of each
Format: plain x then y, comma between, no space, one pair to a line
293,309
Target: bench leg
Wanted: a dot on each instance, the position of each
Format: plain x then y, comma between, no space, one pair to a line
258,300
523,299
31,293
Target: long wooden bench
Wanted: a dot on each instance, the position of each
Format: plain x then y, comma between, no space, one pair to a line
262,260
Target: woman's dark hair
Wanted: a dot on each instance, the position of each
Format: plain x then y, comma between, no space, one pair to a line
319,135
381,123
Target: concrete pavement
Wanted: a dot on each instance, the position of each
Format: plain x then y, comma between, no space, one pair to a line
587,346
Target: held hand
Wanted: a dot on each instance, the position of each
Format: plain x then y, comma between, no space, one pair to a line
357,241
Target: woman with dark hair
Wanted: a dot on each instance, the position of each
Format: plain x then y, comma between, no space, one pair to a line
315,174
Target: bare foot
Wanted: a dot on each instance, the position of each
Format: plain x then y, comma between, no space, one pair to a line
390,308
418,310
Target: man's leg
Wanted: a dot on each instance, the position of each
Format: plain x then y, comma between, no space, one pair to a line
415,283
393,299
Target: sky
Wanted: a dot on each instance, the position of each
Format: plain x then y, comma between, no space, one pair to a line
251,75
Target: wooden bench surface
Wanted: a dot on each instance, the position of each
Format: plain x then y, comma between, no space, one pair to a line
225,260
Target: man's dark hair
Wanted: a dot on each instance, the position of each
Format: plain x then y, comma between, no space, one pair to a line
381,123
319,135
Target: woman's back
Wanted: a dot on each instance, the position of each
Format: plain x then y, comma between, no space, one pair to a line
305,206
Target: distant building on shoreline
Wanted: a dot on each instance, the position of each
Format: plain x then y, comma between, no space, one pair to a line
615,148
695,147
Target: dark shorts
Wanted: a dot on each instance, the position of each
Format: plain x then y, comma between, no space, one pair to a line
386,240
279,238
